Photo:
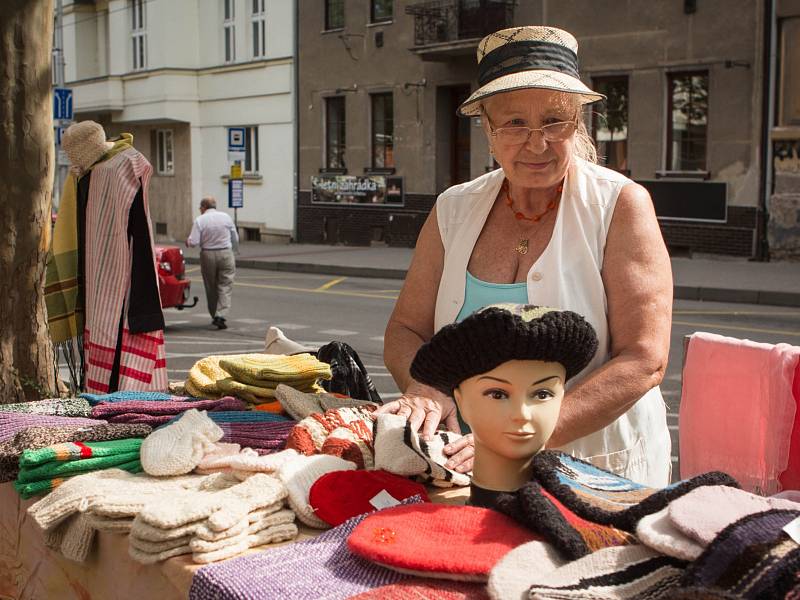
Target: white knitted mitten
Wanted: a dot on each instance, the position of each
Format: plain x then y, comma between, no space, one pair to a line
270,535
281,517
178,448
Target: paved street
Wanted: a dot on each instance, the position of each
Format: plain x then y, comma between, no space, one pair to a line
320,308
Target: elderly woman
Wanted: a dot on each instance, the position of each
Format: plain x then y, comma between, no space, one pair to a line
550,227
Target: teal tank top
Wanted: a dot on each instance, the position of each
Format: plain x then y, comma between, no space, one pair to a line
478,293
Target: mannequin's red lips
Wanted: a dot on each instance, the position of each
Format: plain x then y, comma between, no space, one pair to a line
520,434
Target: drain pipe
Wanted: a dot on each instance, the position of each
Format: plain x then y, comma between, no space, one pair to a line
296,117
767,120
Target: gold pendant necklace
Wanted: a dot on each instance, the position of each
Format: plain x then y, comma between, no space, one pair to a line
523,243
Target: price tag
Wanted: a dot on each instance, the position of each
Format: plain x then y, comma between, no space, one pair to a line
383,499
793,530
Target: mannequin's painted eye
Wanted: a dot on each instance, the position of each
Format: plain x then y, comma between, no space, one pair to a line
496,394
543,394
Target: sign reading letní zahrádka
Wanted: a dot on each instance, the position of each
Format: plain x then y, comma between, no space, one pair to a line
352,189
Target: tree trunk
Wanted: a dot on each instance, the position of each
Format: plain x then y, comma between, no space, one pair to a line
26,180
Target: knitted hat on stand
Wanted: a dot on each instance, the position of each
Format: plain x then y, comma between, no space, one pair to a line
299,474
402,451
84,144
657,531
751,558
499,333
606,498
691,513
299,570
178,448
511,577
572,535
341,495
301,404
620,573
310,434
438,540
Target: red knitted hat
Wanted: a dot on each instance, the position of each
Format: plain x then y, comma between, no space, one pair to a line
438,540
340,495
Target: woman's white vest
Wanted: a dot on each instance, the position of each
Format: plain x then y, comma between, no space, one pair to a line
567,276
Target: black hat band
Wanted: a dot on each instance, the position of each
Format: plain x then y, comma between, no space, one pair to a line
526,55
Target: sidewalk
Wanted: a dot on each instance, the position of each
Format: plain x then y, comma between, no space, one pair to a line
719,280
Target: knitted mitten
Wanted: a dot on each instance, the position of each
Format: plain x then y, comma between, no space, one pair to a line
658,532
606,498
148,558
572,535
511,577
268,535
351,442
281,517
403,452
299,474
178,448
309,434
246,461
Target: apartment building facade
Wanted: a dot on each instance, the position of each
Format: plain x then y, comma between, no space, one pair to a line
685,116
177,74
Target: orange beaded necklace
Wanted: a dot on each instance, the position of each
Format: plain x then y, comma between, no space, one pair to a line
522,245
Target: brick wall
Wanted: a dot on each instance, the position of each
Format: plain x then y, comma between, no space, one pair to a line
734,238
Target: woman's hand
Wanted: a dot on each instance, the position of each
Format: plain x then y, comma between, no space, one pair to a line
461,453
424,407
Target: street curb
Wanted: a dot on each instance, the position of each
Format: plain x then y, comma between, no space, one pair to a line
681,292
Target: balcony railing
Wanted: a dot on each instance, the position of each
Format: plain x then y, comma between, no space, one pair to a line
443,21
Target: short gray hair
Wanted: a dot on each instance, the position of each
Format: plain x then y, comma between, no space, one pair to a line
208,202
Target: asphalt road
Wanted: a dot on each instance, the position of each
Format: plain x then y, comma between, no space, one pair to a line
316,309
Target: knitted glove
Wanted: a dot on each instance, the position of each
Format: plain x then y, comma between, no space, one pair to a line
178,448
299,474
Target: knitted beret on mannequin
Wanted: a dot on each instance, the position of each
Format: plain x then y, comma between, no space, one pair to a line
499,333
84,143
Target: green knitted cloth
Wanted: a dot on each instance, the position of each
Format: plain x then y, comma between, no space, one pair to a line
42,486
72,451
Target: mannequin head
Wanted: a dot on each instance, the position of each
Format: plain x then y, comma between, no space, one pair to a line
507,366
84,144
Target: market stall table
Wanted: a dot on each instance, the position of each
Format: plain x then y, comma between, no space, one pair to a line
31,571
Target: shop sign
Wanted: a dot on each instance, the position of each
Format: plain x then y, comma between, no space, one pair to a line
354,189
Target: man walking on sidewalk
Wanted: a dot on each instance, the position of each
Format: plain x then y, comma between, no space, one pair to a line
216,235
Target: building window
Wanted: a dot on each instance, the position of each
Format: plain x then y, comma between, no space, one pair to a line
259,27
229,29
380,10
164,153
687,127
334,132
251,162
138,35
382,131
334,14
610,121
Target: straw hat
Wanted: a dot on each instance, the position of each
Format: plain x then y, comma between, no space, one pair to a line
527,57
84,143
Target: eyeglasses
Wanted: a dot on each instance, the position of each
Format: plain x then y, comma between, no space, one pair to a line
554,132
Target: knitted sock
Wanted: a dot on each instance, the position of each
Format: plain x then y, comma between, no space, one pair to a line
751,558
281,517
572,535
309,435
691,514
658,532
619,573
255,521
351,442
276,342
148,558
512,576
402,452
78,538
269,535
178,448
606,498
299,474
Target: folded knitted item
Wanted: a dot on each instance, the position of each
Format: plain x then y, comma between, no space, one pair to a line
614,573
299,474
703,513
269,436
62,407
402,451
280,517
112,524
751,558
315,568
203,377
301,404
269,535
573,536
511,577
310,434
341,495
74,452
657,531
351,442
34,438
179,447
246,461
411,539
118,412
75,539
11,423
43,485
425,589
275,367
94,399
604,497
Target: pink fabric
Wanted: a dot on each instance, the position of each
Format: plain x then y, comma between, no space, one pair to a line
737,409
790,478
